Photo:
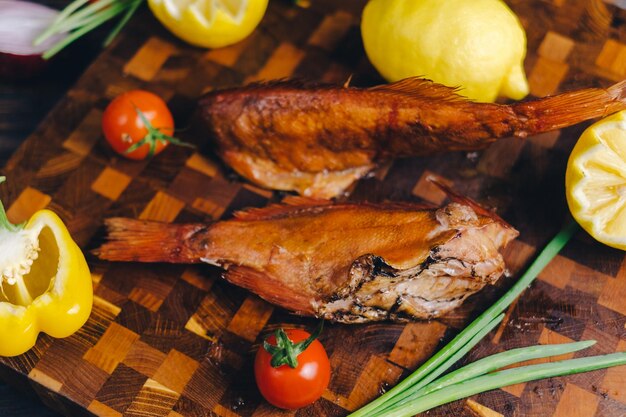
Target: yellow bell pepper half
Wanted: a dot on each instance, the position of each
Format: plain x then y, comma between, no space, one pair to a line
45,283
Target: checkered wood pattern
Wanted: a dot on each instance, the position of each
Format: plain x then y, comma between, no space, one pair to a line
175,340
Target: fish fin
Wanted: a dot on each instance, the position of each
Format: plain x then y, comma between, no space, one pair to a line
296,83
296,200
403,205
146,241
562,110
618,91
293,205
270,288
348,81
286,83
290,205
461,199
420,88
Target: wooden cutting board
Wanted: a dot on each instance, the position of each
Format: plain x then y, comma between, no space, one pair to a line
175,340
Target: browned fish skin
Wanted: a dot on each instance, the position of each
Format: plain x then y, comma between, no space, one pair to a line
350,262
317,140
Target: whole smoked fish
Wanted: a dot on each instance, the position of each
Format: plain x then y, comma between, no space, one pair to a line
348,262
317,140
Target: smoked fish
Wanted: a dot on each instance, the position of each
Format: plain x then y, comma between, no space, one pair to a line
347,262
318,139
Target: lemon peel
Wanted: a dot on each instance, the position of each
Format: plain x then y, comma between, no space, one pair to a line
477,45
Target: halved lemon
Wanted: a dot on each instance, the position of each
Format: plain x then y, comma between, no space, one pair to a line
595,180
209,23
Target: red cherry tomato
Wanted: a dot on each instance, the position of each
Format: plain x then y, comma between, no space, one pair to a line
291,388
123,125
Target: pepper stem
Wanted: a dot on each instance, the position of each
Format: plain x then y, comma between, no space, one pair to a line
286,352
4,220
154,136
22,290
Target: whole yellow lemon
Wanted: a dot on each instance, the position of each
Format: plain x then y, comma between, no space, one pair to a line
478,45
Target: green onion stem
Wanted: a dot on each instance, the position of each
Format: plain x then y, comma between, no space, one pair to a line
498,361
102,16
69,9
80,32
93,9
68,19
52,29
120,25
504,378
406,395
462,339
78,18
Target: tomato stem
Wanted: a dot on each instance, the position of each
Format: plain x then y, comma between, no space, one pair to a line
154,136
285,352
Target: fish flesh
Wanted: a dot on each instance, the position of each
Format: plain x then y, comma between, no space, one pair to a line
318,139
346,262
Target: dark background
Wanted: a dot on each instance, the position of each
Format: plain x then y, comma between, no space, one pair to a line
23,105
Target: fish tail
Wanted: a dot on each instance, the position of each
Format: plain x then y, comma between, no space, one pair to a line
146,241
562,110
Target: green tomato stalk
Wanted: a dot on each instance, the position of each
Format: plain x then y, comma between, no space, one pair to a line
286,352
153,137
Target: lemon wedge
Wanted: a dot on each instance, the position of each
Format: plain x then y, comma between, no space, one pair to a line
595,180
209,23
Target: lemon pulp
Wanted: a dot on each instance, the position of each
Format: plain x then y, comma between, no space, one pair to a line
209,23
596,180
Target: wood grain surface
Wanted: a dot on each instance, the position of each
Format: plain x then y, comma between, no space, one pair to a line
169,340
24,102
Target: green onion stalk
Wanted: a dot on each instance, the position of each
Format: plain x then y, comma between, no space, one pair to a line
83,16
499,379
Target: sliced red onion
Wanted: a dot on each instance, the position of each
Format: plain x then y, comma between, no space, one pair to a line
20,23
